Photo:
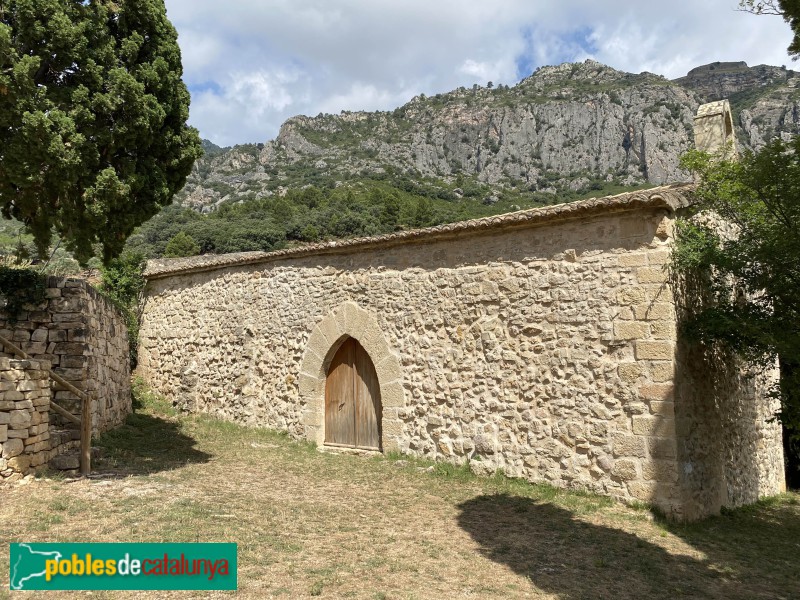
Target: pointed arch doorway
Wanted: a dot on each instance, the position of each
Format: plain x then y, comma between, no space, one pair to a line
352,399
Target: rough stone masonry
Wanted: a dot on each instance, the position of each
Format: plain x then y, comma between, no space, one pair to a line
24,419
544,343
82,337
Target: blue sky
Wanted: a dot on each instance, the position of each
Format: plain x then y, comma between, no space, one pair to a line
571,44
251,64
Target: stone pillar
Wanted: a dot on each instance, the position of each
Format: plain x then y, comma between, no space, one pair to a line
713,129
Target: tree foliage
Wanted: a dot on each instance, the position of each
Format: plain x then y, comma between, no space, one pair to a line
93,134
753,273
19,287
361,206
309,214
182,244
122,284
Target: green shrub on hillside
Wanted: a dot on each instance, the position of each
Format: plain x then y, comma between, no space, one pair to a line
180,245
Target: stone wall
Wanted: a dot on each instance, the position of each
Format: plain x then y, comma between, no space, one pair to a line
542,344
27,440
85,340
24,420
713,129
727,446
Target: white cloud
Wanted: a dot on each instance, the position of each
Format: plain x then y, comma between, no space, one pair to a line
254,63
263,92
244,102
360,96
485,71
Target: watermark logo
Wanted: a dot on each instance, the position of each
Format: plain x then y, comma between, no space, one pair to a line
122,566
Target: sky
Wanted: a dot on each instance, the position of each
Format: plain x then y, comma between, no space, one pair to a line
251,64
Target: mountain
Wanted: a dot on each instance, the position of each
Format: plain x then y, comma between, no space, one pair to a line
566,132
727,79
570,128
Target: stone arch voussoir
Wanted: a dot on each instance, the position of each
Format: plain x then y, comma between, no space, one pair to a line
350,320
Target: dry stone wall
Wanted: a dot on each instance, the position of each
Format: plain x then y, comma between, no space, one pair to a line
85,340
547,351
26,439
24,421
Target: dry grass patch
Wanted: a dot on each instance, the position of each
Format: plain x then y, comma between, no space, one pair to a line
311,524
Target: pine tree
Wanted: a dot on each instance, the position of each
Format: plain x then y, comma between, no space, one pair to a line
181,244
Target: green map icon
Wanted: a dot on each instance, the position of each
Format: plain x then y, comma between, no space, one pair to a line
28,564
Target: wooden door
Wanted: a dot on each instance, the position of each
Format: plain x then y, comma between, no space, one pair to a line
340,410
352,399
368,404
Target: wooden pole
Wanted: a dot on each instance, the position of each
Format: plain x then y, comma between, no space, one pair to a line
86,436
85,421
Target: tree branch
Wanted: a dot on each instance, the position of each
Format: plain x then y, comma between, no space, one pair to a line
761,7
38,78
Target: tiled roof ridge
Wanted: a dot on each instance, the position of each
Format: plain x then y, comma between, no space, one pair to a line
671,197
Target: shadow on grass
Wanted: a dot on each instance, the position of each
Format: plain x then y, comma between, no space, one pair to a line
562,555
145,444
759,543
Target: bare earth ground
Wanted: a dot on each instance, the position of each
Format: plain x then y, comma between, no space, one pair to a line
336,526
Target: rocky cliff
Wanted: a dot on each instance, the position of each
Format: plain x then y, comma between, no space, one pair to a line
726,79
572,127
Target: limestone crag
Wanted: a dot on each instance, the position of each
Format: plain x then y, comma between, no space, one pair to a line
725,79
565,127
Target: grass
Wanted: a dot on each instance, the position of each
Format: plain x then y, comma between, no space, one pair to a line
312,524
